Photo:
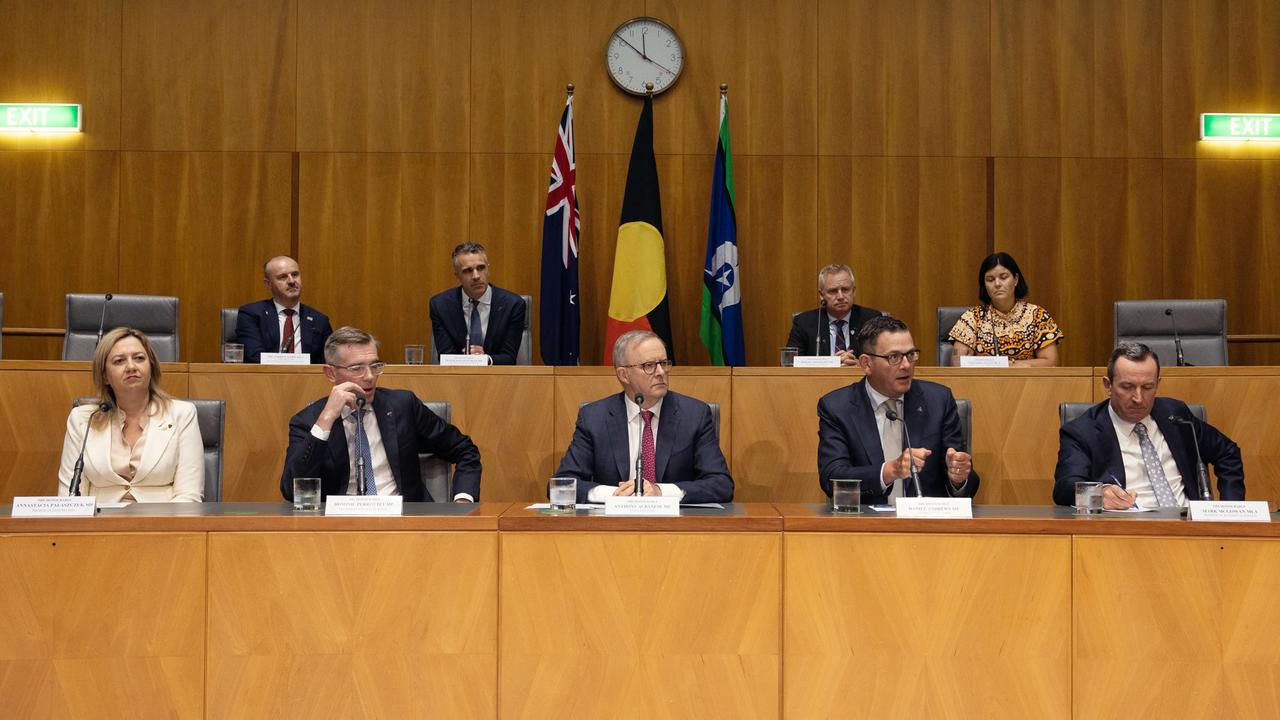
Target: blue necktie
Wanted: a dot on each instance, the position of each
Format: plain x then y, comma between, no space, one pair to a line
477,335
364,453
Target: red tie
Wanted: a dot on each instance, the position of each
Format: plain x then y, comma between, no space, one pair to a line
646,449
286,344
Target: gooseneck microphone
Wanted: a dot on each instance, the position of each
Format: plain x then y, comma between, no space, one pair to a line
915,474
639,490
1202,475
817,337
79,469
1177,339
360,468
102,319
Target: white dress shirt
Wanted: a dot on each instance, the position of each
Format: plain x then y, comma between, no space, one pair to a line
635,425
485,302
1135,469
877,404
831,334
297,327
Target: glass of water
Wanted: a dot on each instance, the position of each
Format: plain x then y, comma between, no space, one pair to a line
1088,498
232,353
846,496
413,354
564,494
306,494
787,356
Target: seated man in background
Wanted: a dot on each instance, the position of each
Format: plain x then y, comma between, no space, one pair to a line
282,323
860,427
830,329
673,434
384,428
477,318
1142,446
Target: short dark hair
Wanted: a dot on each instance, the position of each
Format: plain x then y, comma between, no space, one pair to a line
468,248
344,336
873,328
1133,352
1002,259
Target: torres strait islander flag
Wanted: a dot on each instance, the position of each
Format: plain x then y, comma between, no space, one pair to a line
638,297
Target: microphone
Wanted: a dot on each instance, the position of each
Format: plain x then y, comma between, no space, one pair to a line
360,468
102,319
817,336
79,469
915,474
640,450
1177,340
1202,475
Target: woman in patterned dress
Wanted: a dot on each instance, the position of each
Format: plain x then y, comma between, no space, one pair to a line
1005,323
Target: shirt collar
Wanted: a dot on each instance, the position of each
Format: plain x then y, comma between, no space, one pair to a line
845,317
1124,427
876,398
485,299
280,308
633,409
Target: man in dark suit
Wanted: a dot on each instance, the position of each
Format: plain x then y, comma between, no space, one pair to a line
261,325
860,427
1142,446
673,434
830,329
477,318
361,431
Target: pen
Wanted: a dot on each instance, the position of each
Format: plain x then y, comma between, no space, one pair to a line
1111,480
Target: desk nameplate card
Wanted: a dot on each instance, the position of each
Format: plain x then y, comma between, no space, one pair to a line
650,505
817,361
466,360
935,507
1230,510
54,506
984,361
285,359
364,505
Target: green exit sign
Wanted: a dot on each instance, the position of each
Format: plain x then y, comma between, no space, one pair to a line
39,118
1240,126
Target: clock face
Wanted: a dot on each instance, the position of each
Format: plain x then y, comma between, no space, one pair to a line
644,50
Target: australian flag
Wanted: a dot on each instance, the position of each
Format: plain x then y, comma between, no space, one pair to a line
559,302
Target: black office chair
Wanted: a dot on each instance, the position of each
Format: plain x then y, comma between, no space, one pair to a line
1069,411
436,473
948,316
155,316
1201,326
229,317
964,408
524,356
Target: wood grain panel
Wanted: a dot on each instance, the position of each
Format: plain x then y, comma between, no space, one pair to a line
304,625
909,227
103,625
883,626
904,78
1177,627
623,609
63,51
199,226
59,234
391,75
375,235
685,208
209,75
602,179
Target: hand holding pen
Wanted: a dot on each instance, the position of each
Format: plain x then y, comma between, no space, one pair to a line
1115,497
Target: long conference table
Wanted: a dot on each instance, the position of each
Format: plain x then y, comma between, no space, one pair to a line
755,610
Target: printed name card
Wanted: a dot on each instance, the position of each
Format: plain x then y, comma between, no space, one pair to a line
934,507
54,506
466,360
646,505
1230,510
285,359
364,505
816,361
984,361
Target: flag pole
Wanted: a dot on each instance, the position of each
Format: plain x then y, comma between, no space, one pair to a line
724,89
569,88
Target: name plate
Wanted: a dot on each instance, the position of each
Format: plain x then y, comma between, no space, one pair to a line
647,505
984,361
54,506
285,359
466,360
1230,510
816,361
364,505
933,507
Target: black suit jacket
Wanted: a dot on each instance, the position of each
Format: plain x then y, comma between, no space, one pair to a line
688,451
1088,450
849,442
501,340
258,329
814,326
407,428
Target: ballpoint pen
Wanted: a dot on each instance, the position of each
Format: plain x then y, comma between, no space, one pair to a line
1111,480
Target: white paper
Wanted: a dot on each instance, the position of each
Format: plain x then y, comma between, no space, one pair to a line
1230,510
882,508
1129,510
646,505
547,506
79,506
984,361
817,361
285,359
935,507
363,505
466,360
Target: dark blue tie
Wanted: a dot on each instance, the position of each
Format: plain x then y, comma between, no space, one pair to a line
363,453
477,335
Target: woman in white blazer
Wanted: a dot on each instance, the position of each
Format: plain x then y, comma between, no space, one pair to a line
143,445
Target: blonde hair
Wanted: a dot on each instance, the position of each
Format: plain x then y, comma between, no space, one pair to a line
103,388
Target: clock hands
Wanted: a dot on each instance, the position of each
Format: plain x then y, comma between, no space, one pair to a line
642,54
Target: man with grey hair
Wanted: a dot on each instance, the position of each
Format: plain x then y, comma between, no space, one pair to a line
477,318
672,435
1142,446
831,328
363,433
282,323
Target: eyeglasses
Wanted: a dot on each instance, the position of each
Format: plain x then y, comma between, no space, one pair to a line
652,366
376,368
895,358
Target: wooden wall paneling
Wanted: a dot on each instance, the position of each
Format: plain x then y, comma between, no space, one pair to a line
105,625
1026,86
766,50
938,625
685,206
34,402
906,78
199,226
202,75
617,606
602,180
61,214
306,625
909,227
63,52
375,234
1201,606
523,58
386,76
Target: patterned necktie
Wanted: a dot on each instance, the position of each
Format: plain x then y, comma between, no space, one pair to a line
286,343
891,442
840,343
364,453
646,448
477,335
1155,472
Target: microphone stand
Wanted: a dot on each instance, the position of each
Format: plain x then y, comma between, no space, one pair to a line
79,468
1177,339
817,337
639,490
360,468
915,474
1202,475
102,319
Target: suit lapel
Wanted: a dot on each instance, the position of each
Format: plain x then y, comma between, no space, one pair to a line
160,431
666,440
453,323
1183,456
271,328
387,427
864,423
1110,448
98,451
338,453
619,435
914,413
497,319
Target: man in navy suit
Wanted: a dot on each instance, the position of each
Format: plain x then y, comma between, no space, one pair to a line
860,427
833,327
361,431
673,434
261,325
477,318
1135,440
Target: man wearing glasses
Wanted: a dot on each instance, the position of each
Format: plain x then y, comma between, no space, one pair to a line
361,432
860,427
673,435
